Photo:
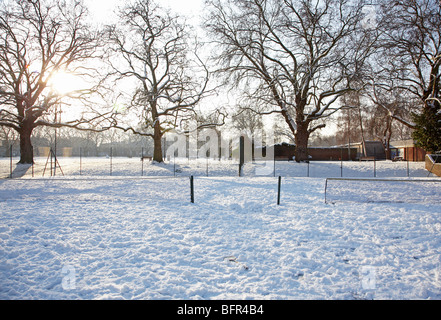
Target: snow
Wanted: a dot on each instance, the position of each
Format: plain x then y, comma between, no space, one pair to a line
133,236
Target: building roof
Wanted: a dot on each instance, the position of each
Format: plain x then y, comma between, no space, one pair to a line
403,143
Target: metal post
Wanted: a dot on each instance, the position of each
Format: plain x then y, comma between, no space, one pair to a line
142,161
278,190
55,162
308,169
408,173
341,162
33,162
191,190
81,151
349,132
10,161
274,161
51,155
111,155
241,155
375,167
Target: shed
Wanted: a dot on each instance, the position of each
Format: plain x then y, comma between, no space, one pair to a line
407,150
369,150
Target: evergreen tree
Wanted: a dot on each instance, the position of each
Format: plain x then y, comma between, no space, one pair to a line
427,131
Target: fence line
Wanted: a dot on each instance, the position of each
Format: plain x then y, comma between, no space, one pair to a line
125,166
376,180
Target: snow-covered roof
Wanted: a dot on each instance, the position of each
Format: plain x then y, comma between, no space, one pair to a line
403,143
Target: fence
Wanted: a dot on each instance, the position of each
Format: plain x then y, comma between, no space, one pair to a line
390,190
110,165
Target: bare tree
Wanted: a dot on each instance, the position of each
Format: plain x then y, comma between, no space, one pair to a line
392,108
376,114
247,120
170,78
410,61
297,56
350,121
7,137
38,40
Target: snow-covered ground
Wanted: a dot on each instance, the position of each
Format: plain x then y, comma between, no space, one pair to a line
117,234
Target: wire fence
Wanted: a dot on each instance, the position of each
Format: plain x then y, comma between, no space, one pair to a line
368,190
109,165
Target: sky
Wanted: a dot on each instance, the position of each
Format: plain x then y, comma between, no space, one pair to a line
103,10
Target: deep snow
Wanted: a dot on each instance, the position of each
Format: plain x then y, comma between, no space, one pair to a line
128,236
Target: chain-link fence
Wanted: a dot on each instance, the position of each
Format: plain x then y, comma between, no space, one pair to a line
63,162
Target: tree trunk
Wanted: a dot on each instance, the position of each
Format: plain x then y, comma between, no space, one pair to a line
385,139
301,140
157,143
26,148
389,136
157,150
363,140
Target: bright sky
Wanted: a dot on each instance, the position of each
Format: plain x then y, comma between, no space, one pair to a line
103,10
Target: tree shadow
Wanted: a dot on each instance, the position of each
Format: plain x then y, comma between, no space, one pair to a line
19,171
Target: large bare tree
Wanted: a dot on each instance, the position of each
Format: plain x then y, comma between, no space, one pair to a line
297,56
409,61
155,49
40,39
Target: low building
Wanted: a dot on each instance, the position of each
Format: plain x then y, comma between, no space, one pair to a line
407,150
332,153
369,150
286,152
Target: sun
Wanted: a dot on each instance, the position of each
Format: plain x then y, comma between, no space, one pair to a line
63,83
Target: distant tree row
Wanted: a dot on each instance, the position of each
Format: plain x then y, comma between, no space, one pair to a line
301,61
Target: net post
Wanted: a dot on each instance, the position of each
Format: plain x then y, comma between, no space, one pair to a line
111,156
81,160
142,161
308,169
408,172
241,155
278,190
10,161
191,190
375,167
